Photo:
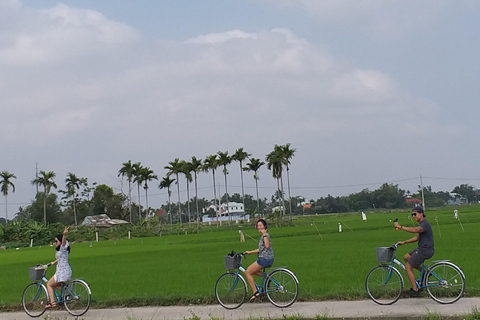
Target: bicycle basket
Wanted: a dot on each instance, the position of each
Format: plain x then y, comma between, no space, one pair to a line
384,254
36,273
233,262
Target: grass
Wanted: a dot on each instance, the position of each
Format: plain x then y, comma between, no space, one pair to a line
183,269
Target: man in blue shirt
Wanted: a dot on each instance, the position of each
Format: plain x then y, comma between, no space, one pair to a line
424,251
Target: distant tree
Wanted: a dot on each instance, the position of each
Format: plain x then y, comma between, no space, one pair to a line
165,184
288,154
196,168
241,156
275,161
146,175
211,163
73,183
254,165
138,179
466,190
5,184
224,159
175,167
105,201
46,179
127,170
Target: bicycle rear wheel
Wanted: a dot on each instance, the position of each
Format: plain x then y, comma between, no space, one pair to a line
384,284
231,290
34,299
77,296
281,288
445,282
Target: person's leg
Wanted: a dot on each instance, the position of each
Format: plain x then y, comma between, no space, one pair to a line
253,269
406,257
411,276
51,284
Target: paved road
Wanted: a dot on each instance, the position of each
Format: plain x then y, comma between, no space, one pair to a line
404,308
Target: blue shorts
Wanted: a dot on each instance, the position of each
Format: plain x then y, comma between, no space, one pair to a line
264,263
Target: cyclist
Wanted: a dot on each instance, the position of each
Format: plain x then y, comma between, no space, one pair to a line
424,251
265,257
63,272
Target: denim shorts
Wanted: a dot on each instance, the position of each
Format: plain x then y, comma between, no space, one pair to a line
264,263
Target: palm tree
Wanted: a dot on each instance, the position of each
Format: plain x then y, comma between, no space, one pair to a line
241,156
275,162
146,175
175,167
196,167
186,169
288,154
137,178
127,170
166,183
5,184
211,163
72,183
46,180
254,165
224,159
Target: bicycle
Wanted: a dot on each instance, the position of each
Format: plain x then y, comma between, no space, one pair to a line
443,280
280,285
74,294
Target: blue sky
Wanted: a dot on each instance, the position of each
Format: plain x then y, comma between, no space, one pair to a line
366,91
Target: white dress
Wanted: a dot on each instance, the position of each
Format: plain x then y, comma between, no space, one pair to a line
64,272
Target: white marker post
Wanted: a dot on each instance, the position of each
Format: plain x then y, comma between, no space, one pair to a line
96,236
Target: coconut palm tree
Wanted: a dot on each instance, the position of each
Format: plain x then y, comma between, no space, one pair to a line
254,165
175,167
72,183
137,178
196,167
211,163
5,185
288,154
186,169
224,159
241,156
275,162
166,183
127,170
46,179
146,175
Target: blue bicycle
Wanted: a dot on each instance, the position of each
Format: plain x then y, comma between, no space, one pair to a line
280,285
75,294
443,280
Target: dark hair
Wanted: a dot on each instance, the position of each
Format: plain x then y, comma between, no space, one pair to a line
263,222
60,238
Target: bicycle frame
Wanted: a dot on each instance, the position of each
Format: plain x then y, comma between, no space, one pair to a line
421,284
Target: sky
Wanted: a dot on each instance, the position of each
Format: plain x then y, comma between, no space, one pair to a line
367,92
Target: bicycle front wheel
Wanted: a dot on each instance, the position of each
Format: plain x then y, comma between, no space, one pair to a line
281,288
384,284
77,296
34,299
231,290
445,282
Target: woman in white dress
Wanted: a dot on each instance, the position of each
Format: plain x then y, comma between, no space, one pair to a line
63,272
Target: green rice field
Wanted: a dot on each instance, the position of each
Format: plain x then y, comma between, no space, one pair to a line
183,269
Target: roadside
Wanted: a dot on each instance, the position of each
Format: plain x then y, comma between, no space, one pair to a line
363,309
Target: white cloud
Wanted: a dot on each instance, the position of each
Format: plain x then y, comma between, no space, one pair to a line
95,89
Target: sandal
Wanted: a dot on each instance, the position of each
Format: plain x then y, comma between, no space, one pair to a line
51,305
255,295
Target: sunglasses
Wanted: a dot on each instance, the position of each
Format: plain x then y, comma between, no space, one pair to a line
414,214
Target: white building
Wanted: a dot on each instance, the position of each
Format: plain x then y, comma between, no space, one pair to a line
234,212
